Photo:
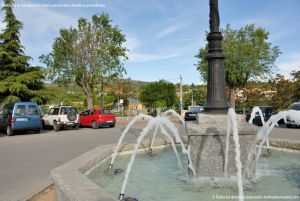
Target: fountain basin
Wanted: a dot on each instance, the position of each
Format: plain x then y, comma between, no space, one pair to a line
71,182
159,179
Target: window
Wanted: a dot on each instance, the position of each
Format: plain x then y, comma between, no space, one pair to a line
32,110
85,113
66,110
103,111
294,106
21,111
56,111
53,111
92,112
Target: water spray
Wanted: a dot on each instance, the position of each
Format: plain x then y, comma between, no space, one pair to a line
111,167
121,196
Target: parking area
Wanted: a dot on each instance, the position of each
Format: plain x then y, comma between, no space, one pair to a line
27,159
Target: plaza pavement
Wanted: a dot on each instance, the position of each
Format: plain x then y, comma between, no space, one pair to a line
27,159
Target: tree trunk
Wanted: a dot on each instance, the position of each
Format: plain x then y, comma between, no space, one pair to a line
90,96
90,101
232,97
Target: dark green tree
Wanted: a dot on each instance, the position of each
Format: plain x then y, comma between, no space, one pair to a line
18,81
87,54
284,92
195,94
249,56
159,94
296,79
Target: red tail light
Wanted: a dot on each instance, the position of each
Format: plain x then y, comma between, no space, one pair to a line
12,121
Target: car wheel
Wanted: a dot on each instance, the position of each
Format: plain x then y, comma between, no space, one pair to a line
94,125
76,127
9,131
56,127
112,126
44,125
289,125
37,131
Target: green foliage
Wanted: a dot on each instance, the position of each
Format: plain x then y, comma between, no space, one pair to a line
296,78
18,81
249,56
87,54
158,94
284,95
195,93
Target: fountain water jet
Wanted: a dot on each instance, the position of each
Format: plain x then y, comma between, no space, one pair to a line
264,132
132,122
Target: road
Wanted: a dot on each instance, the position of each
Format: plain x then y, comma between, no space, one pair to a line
27,159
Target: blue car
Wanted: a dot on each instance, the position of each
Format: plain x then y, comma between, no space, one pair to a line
20,116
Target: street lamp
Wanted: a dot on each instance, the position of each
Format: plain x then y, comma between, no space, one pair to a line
216,98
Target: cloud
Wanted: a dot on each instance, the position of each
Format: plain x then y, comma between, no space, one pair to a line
132,43
291,63
139,57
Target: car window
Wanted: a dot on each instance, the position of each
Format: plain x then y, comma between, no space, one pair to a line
294,107
196,109
21,111
32,110
55,111
92,112
105,111
66,110
51,111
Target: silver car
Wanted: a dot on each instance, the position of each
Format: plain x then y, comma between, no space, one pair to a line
289,122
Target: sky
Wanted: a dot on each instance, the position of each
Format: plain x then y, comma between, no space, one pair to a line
163,36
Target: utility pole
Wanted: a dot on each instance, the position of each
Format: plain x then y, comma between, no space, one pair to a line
181,105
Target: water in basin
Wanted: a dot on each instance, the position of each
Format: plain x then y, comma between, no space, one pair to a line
160,179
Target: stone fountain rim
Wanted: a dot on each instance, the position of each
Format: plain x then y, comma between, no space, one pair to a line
71,182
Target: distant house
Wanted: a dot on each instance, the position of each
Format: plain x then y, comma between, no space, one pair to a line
134,104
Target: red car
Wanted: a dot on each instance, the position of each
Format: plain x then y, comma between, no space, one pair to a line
97,117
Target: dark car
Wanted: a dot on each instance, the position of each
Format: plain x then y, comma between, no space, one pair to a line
267,112
290,123
20,116
192,113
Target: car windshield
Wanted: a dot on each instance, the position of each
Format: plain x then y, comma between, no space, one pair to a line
66,110
266,110
196,109
295,106
105,111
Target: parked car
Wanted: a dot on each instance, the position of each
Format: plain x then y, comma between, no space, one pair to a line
192,113
97,118
20,116
267,112
289,122
60,117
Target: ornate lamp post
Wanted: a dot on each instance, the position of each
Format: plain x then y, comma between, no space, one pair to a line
216,98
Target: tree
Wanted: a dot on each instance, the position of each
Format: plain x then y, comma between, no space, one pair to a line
296,78
284,95
87,54
249,56
195,93
158,94
18,80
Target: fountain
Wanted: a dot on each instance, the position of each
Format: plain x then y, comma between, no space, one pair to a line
212,159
